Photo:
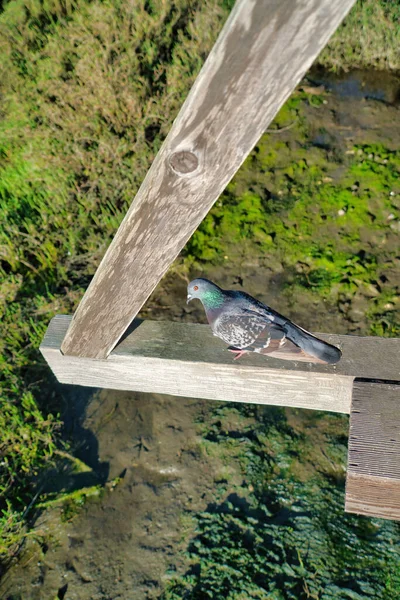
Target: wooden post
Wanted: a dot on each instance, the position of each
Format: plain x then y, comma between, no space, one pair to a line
373,473
263,51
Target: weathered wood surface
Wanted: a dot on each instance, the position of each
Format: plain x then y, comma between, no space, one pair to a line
373,473
187,360
261,54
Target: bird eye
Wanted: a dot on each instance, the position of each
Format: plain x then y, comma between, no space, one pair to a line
196,287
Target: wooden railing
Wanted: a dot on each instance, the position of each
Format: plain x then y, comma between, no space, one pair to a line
263,51
187,360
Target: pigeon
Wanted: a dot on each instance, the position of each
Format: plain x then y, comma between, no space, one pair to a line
248,325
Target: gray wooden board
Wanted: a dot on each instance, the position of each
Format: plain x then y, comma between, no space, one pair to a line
261,54
373,473
187,360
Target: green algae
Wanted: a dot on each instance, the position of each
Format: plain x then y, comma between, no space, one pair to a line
329,217
281,532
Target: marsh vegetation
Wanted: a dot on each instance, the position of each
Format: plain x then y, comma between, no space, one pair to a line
310,224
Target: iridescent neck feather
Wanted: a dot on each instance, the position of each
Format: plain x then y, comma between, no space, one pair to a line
212,298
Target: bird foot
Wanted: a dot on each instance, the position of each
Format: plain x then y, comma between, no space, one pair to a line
238,353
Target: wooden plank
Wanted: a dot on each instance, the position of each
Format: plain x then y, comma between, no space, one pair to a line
261,54
366,357
373,475
187,360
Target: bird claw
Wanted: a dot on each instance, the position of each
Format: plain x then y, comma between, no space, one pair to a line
238,353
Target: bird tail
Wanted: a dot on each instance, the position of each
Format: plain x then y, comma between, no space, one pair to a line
311,344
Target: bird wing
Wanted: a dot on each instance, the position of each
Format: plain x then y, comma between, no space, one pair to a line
253,332
270,339
273,342
258,328
298,341
239,329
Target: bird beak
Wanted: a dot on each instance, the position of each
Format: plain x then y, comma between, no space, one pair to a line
189,298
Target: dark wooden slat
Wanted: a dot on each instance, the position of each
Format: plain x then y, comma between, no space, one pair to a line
373,480
262,53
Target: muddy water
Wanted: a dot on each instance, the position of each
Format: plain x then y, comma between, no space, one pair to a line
145,447
360,85
121,544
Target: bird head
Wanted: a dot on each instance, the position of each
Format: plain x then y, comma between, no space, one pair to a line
206,291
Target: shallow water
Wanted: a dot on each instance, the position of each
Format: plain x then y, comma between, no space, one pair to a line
360,85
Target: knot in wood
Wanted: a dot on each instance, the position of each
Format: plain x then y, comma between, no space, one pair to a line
184,162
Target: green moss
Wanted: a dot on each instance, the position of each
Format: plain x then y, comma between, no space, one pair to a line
71,502
294,212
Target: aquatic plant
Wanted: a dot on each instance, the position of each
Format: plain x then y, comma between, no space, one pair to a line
282,533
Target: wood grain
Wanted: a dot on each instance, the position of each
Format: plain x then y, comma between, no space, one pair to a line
373,480
366,357
261,54
373,496
187,360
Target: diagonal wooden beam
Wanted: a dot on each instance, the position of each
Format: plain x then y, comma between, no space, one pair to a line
261,54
